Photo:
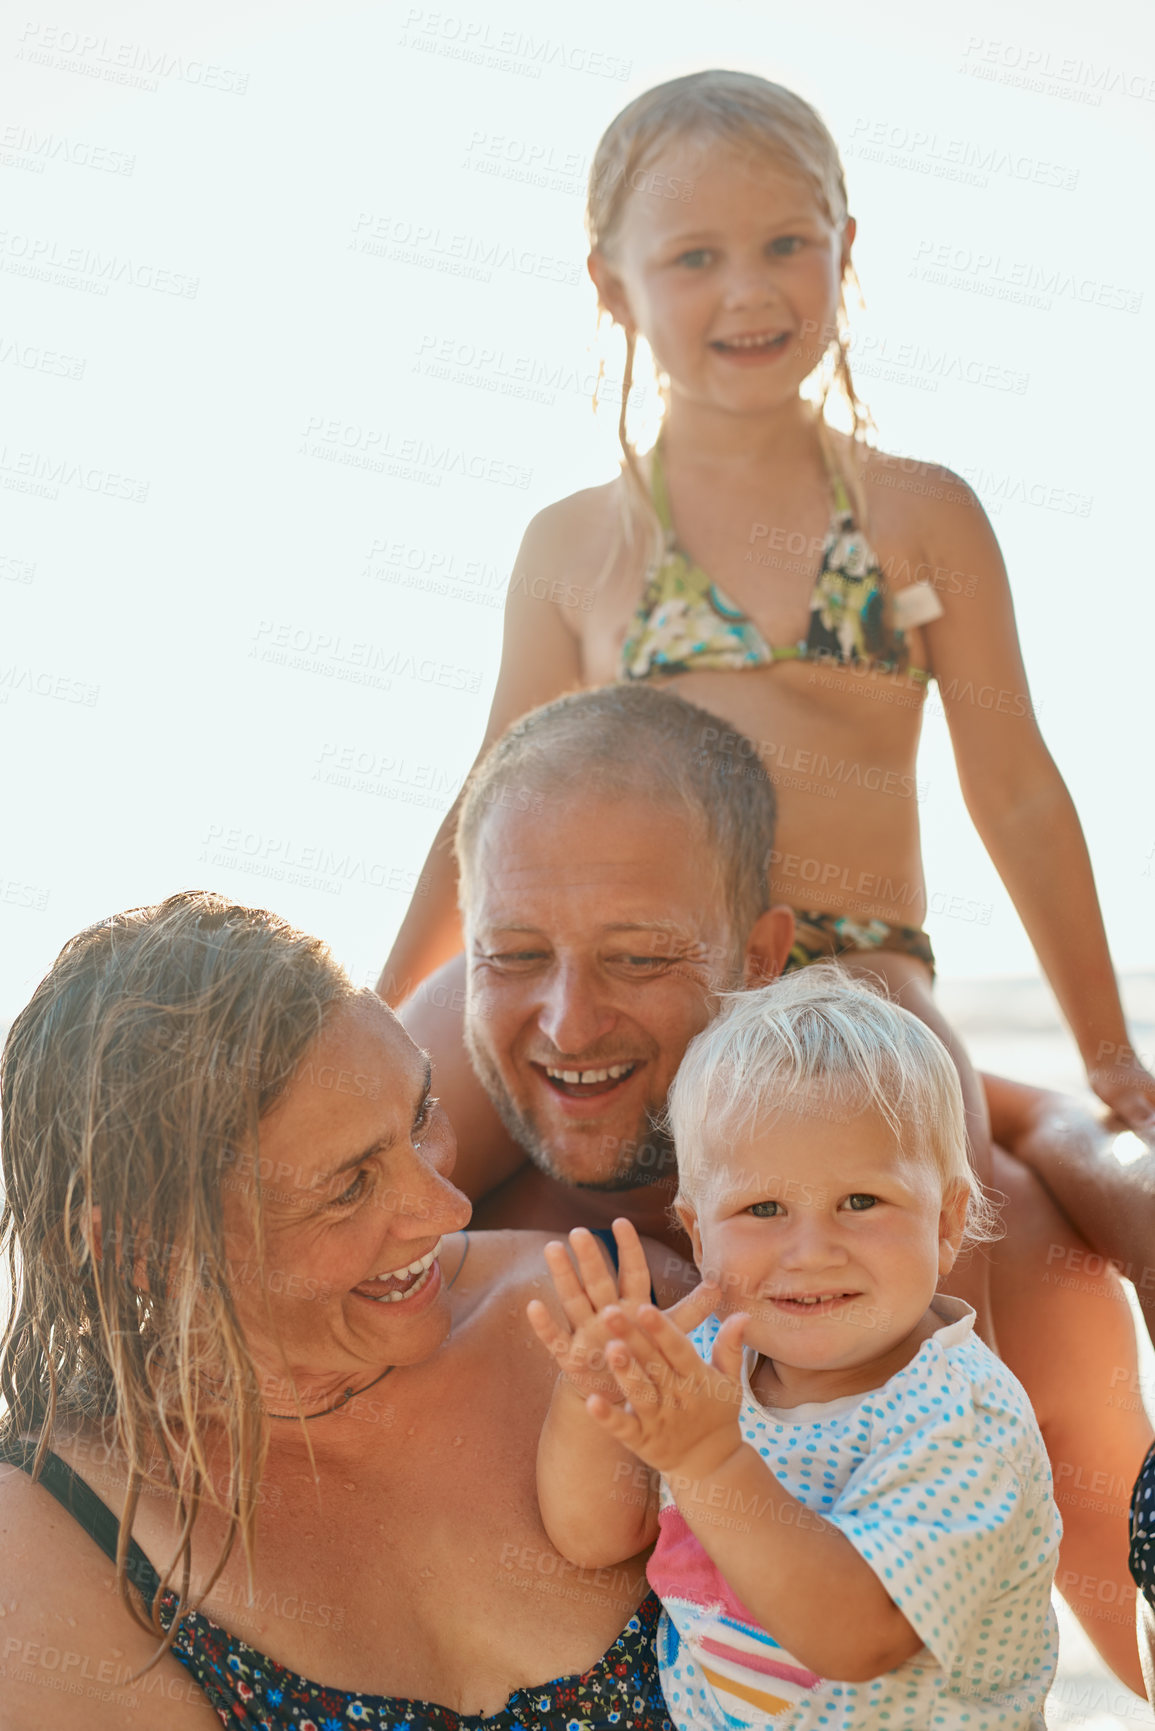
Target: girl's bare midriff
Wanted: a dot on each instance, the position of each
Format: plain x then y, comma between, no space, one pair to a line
839,741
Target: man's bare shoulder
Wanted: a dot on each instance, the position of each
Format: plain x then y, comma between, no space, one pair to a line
514,1261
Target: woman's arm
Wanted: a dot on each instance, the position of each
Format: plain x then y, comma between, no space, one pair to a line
69,1648
540,659
1018,801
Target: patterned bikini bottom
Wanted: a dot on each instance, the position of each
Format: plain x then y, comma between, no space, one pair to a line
819,935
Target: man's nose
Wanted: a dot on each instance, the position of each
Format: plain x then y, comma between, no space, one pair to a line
574,1014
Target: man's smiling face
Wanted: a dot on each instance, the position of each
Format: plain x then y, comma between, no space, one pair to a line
596,942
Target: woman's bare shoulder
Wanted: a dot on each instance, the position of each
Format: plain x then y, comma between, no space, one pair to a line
70,1648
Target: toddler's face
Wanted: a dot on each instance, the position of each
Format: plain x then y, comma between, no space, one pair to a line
828,1237
735,287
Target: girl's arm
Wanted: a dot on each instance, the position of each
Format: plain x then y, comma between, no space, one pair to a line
597,1506
540,659
1018,801
800,1578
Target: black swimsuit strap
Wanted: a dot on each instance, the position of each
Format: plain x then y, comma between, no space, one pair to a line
85,1507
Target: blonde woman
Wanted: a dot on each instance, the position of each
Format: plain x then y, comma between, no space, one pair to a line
271,1413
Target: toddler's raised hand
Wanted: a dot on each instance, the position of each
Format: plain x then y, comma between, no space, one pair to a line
682,1415
586,1286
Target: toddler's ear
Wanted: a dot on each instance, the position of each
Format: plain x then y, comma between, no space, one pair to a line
952,1227
689,1220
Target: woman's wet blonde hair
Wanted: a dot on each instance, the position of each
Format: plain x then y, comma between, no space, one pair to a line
745,112
133,1083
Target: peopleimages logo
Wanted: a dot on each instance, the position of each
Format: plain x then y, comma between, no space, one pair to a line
131,63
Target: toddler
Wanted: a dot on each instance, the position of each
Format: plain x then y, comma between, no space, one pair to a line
849,1492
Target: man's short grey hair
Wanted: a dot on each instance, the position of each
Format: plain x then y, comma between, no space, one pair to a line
635,741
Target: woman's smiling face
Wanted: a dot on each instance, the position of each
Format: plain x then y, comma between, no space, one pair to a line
354,1198
735,289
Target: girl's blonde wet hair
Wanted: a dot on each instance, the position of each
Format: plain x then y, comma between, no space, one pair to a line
745,112
819,1042
134,1083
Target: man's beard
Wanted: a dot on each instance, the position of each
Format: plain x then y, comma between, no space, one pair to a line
646,1158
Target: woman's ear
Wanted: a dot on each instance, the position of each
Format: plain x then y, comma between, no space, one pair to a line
611,292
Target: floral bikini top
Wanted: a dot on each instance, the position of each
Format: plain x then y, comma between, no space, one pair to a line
685,621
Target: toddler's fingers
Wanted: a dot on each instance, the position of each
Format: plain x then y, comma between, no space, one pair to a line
633,1269
626,1334
632,1377
694,1308
621,1424
670,1341
553,1338
568,1285
727,1354
597,1277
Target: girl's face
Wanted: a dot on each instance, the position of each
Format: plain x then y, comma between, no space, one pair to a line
735,288
830,1240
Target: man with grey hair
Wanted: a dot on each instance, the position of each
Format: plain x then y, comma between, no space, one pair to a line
614,850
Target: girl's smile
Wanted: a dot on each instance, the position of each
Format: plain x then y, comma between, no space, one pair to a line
743,279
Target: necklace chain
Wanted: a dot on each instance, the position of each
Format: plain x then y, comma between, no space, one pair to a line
344,1399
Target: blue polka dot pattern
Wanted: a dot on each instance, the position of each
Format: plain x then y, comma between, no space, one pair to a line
941,1482
1142,1557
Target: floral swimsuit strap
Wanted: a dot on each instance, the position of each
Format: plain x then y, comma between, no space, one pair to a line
685,621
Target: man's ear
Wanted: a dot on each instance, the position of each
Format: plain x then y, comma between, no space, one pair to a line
951,1227
768,945
689,1219
611,293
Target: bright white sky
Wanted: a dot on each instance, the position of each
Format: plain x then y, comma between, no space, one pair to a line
149,745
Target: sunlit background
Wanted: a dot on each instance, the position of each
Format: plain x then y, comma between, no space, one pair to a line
297,336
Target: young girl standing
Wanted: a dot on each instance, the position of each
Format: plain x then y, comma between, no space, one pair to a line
834,580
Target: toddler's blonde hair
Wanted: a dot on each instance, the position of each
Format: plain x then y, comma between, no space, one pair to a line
737,109
820,1042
